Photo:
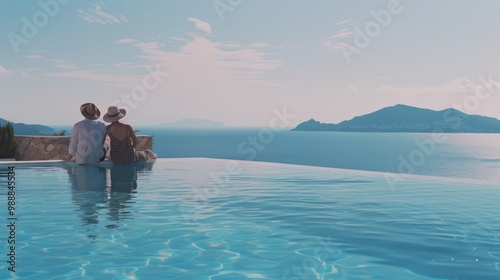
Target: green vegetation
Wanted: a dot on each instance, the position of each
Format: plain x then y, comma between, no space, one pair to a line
7,143
62,133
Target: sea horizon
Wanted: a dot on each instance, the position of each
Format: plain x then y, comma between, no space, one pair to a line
456,155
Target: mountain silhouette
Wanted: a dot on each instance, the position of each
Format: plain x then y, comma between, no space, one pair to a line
29,129
404,118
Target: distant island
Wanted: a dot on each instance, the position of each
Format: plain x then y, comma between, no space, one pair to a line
193,123
29,129
404,118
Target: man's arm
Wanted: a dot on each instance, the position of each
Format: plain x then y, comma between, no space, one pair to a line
73,144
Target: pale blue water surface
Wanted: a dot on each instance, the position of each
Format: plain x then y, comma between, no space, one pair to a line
223,219
467,156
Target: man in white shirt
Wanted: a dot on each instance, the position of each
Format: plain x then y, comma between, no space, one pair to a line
87,138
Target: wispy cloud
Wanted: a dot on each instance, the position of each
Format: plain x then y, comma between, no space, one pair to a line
456,86
29,72
259,45
115,80
201,52
64,66
178,39
351,88
337,43
3,71
344,33
339,48
61,64
125,41
343,22
201,25
383,77
215,66
110,79
340,42
97,15
34,56
125,64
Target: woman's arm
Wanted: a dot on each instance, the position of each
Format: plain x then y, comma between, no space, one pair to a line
132,136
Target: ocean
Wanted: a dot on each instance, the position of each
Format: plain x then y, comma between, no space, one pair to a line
462,156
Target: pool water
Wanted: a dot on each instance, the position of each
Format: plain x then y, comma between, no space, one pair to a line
219,219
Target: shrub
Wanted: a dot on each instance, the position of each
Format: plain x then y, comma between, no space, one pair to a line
62,133
7,142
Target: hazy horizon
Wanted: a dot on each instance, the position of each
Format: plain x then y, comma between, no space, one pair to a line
243,63
206,123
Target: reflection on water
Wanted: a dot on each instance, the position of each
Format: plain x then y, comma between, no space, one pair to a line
104,194
89,191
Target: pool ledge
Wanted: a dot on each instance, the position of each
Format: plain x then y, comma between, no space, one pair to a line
220,164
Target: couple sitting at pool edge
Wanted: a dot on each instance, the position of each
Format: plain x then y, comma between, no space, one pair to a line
87,144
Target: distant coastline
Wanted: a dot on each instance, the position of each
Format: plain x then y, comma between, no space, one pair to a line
29,129
404,118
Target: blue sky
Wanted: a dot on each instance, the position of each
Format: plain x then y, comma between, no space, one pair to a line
237,61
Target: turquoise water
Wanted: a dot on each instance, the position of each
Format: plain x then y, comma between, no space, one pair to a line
467,156
220,219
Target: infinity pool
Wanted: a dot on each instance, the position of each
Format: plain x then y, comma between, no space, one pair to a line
219,219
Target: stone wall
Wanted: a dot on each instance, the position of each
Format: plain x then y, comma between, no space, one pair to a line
56,147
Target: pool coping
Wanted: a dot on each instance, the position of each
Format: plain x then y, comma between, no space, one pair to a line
353,172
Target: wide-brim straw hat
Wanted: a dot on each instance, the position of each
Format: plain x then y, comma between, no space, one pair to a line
90,111
114,114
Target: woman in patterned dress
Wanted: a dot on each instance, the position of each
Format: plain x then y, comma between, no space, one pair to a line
123,139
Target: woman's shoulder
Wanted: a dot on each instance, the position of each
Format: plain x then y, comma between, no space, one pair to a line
112,127
118,125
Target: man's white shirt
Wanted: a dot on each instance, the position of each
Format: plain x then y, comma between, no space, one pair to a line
87,140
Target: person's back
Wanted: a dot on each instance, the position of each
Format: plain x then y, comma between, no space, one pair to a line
122,144
87,137
120,131
123,139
